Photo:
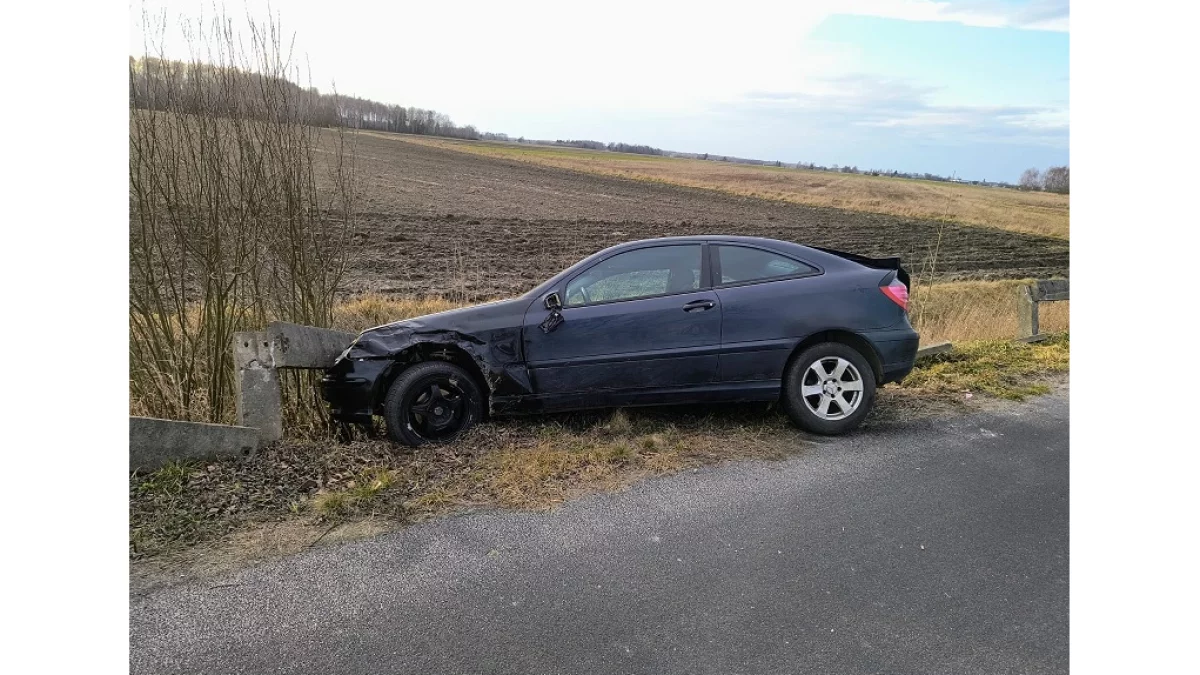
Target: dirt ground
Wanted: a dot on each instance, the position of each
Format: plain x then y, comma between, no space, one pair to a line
440,222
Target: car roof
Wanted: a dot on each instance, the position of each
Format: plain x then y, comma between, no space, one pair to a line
702,238
776,244
806,253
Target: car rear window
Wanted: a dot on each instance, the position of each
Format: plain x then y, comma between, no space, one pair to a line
742,263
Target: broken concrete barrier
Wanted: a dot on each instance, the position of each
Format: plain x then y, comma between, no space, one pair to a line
260,354
932,350
154,442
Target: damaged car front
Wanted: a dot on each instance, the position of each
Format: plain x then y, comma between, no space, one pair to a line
468,357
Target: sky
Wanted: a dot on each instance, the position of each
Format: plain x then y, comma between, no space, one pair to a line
977,89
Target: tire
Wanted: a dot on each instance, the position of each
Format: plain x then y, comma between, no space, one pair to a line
804,402
416,415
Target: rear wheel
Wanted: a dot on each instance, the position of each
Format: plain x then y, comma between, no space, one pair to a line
432,402
829,389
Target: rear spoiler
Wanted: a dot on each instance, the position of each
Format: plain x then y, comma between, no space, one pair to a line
875,263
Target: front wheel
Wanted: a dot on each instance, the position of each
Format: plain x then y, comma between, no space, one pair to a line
829,389
432,402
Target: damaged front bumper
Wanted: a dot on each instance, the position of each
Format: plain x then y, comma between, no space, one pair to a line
351,386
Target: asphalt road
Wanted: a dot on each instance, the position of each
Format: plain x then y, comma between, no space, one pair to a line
933,547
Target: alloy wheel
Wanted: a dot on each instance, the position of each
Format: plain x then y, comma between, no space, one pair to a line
832,388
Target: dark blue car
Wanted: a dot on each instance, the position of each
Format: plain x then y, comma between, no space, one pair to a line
653,322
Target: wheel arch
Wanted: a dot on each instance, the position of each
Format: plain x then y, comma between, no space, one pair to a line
848,338
422,352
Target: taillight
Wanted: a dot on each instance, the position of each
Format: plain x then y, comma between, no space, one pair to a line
898,292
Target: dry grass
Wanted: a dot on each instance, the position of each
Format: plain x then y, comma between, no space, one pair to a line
511,463
367,311
362,490
538,462
1028,212
977,310
561,459
998,368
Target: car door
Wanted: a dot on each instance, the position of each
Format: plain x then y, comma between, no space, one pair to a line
641,318
769,301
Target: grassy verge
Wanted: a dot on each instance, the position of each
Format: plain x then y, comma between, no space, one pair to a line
998,368
520,463
1028,212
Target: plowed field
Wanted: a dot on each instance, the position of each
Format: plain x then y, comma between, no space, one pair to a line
441,222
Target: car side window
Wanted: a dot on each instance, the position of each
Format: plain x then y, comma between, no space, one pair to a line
741,263
641,273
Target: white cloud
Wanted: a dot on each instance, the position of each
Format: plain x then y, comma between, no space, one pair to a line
1049,15
853,105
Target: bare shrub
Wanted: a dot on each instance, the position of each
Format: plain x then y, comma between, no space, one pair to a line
240,211
1031,179
1057,179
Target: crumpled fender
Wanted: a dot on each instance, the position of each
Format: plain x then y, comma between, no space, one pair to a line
495,348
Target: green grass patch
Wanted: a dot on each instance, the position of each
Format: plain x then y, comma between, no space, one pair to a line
164,514
1000,368
357,495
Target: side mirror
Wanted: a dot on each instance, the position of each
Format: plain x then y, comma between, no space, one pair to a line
553,302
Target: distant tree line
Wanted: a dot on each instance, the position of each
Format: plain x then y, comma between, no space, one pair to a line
1055,179
587,145
636,149
891,173
159,84
611,147
362,113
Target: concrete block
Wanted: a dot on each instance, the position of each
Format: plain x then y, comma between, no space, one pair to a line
296,346
260,402
931,350
289,345
1027,312
1052,290
154,442
252,348
258,355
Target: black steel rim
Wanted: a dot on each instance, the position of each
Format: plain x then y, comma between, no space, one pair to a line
438,409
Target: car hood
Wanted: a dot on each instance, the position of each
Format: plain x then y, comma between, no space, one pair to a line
495,324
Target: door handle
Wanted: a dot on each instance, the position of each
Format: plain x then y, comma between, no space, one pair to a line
699,304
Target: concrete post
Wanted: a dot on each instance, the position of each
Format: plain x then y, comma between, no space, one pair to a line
1027,312
260,402
259,356
260,398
